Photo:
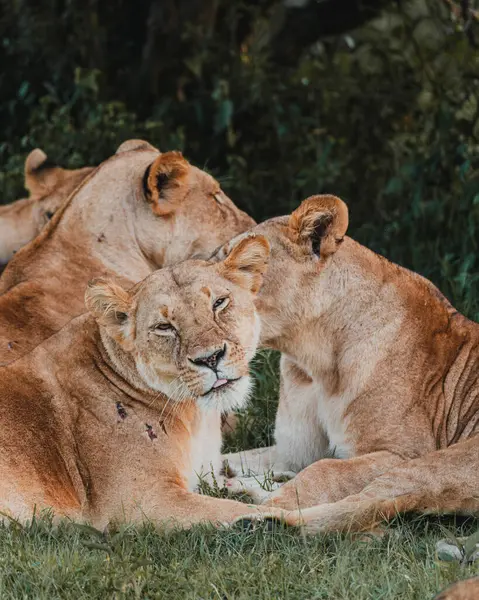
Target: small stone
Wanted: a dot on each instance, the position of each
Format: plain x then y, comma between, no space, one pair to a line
447,551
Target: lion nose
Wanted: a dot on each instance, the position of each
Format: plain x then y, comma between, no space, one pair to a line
210,360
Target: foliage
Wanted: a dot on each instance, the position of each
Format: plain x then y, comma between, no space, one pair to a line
386,116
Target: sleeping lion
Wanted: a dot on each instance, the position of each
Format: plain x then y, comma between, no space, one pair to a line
117,416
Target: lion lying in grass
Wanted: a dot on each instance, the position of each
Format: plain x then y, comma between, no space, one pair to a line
117,416
49,186
379,371
138,211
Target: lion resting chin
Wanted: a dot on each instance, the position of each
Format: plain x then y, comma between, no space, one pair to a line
379,401
117,416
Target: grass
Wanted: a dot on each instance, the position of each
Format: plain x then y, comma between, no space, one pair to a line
43,561
67,561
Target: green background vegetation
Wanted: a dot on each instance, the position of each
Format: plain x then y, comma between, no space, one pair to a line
385,116
379,106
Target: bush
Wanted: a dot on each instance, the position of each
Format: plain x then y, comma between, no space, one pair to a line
386,116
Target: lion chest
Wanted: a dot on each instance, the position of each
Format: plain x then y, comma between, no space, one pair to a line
205,449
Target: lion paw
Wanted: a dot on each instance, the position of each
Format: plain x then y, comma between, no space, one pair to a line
256,489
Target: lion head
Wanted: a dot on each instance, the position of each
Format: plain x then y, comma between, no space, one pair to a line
302,246
49,186
158,202
188,331
48,183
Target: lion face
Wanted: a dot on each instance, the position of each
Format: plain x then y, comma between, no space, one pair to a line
191,329
179,211
302,245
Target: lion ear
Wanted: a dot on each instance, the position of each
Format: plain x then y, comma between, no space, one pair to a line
111,306
41,175
34,160
320,222
165,182
223,251
247,262
130,145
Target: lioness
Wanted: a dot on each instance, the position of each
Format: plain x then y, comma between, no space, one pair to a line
467,589
138,211
49,185
117,416
378,371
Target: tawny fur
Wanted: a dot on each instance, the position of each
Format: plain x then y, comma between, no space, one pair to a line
49,187
467,589
84,433
111,225
379,371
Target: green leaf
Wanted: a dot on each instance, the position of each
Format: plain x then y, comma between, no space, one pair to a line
89,529
12,520
394,186
471,544
223,115
95,546
23,91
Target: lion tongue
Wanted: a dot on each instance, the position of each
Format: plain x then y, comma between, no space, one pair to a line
219,382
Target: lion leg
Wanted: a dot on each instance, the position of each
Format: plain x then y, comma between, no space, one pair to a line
183,508
299,433
254,462
300,437
444,481
330,480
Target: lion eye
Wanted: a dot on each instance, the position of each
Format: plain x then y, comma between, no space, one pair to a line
221,303
218,198
162,328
